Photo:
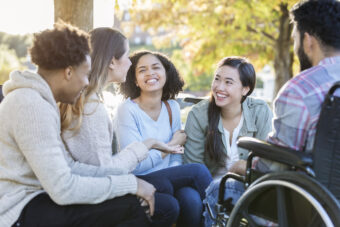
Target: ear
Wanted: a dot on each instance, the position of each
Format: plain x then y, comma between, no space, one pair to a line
245,90
308,42
68,73
112,63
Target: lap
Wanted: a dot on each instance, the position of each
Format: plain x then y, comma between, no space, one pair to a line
42,211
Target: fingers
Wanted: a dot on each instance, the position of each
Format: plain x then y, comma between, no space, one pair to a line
151,203
179,150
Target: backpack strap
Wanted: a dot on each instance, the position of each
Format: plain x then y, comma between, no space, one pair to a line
169,112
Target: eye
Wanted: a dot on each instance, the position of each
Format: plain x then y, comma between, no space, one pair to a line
141,71
228,82
216,78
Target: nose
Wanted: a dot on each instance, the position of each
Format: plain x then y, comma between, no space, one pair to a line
86,82
220,86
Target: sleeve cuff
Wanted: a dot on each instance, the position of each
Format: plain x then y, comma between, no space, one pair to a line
139,149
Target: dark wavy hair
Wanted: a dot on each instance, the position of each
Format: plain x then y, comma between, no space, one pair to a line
213,146
58,48
320,19
173,85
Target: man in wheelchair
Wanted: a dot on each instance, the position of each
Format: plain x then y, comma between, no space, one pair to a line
305,142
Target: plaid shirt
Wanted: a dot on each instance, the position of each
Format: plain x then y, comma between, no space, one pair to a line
298,105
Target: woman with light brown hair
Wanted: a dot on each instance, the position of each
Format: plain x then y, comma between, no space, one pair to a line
87,128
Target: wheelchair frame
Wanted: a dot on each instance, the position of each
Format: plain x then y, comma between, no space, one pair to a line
319,170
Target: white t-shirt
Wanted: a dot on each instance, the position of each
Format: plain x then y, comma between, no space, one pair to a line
232,151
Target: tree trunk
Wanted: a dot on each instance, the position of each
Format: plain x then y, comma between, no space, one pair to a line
284,56
76,12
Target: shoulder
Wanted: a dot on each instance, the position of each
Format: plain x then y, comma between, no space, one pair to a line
199,113
304,83
257,106
174,105
29,100
201,107
127,106
253,102
127,110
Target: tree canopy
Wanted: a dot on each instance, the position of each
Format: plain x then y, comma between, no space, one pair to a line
209,30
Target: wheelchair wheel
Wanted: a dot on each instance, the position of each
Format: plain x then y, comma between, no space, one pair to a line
286,199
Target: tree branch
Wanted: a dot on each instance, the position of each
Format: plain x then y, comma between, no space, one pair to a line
251,29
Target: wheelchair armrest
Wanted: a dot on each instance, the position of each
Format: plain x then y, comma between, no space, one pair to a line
275,153
192,100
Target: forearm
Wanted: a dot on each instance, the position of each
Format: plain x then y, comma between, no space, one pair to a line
150,162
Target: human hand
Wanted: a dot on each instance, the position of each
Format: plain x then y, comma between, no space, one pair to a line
178,138
169,149
239,167
146,191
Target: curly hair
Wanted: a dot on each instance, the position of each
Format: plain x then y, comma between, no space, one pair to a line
60,47
173,85
320,19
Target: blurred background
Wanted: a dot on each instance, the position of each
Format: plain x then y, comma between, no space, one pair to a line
195,34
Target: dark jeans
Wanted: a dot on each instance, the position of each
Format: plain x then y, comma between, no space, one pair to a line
123,211
187,184
179,195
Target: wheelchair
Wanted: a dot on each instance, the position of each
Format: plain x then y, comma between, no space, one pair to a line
306,194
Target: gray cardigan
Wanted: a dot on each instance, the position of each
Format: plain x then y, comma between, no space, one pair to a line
257,123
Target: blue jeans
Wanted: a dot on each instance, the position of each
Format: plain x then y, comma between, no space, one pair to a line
234,190
186,184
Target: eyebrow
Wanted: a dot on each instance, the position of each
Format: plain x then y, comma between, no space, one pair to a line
143,66
227,78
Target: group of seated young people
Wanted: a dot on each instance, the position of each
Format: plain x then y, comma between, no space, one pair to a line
57,163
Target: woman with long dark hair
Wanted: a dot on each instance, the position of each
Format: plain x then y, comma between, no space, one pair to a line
214,125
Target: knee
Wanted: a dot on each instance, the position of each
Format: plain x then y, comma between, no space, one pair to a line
189,198
166,208
202,173
201,169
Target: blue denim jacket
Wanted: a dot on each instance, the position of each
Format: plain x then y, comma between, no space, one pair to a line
257,123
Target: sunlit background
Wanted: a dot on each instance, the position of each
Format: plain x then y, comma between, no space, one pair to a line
195,34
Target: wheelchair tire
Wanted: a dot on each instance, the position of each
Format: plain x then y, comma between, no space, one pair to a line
291,188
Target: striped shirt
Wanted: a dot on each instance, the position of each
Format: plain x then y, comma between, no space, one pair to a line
297,108
298,105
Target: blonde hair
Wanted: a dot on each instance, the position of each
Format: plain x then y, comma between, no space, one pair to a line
106,44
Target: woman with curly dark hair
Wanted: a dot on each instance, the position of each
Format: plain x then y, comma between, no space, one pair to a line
150,111
151,85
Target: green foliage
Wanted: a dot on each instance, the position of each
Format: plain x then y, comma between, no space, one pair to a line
19,43
208,30
13,50
259,82
8,62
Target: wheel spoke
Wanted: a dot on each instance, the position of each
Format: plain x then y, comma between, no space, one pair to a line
250,220
281,207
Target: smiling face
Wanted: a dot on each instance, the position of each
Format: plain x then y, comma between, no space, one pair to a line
150,74
227,88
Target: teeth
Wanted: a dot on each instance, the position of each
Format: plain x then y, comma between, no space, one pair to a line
220,95
151,81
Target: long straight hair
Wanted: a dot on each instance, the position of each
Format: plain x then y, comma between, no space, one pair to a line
214,146
106,44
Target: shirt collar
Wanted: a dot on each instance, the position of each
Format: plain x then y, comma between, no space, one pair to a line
248,121
330,60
